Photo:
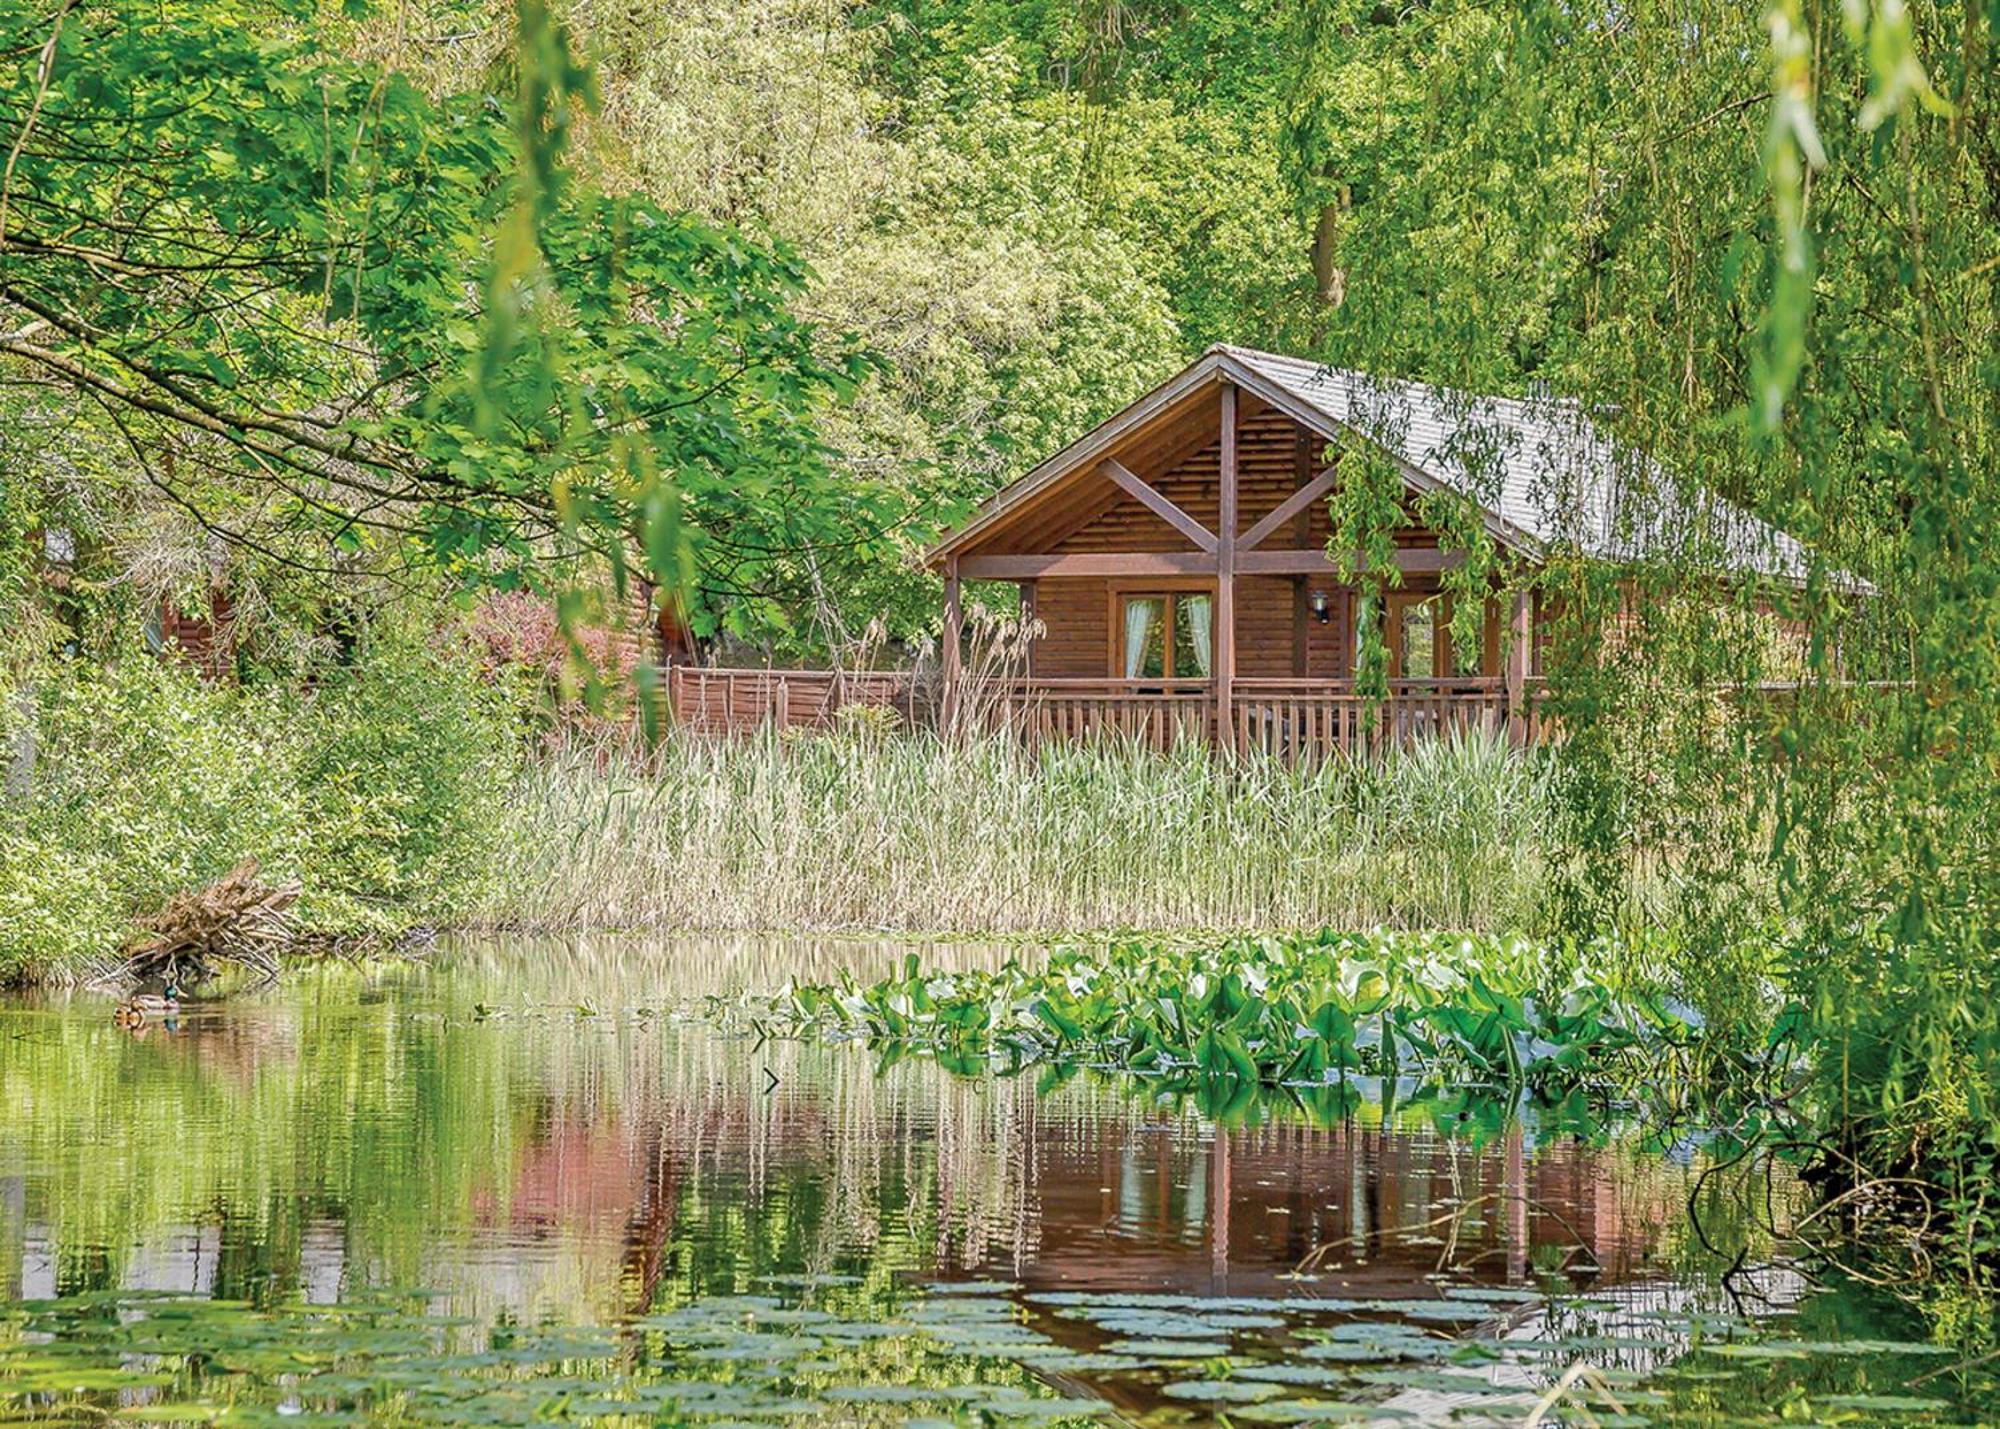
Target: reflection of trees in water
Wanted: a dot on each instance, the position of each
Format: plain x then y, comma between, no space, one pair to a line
638,972
351,1129
988,1135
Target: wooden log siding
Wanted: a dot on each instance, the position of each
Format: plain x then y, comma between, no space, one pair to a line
1079,624
1267,475
1081,560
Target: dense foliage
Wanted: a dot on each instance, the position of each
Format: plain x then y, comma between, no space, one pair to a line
381,794
334,321
1762,245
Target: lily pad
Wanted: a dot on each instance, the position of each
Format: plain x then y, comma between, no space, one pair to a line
1162,1349
1860,1347
1440,1382
882,1394
1057,1359
1142,1324
1317,1411
1293,1374
1450,1311
1007,1407
1755,1351
1220,1391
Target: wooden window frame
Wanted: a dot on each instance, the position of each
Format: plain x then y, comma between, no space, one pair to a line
1488,664
1168,590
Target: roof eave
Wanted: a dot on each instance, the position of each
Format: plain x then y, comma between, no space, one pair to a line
1085,450
1218,363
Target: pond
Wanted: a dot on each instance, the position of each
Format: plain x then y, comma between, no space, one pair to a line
522,1182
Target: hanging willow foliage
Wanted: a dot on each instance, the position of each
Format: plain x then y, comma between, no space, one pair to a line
1760,249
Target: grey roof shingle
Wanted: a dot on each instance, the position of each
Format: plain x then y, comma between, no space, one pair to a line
1541,466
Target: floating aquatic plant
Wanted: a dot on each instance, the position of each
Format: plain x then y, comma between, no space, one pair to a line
1297,1011
786,1360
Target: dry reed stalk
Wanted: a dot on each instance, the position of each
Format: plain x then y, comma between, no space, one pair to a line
864,828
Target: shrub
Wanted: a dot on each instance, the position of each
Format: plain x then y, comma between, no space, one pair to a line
58,904
403,778
145,779
381,793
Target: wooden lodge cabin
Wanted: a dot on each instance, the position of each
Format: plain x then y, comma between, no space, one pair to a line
1176,561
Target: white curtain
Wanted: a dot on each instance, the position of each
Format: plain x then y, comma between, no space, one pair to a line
1138,622
1201,622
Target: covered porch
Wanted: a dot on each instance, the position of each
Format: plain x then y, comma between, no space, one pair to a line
1174,568
1176,563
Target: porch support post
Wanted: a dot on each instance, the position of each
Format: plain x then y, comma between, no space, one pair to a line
1028,639
1225,579
1301,534
1519,643
948,654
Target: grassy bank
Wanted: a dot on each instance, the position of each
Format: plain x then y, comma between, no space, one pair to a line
908,832
400,793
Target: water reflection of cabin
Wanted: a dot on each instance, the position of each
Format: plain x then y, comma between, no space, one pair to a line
1176,559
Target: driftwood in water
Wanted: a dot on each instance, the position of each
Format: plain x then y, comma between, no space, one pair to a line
235,919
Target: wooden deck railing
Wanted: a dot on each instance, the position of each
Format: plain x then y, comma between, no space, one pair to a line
1287,719
1306,719
1158,714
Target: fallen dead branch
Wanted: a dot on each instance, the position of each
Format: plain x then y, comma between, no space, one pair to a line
236,920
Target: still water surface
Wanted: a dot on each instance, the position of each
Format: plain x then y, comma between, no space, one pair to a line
543,1183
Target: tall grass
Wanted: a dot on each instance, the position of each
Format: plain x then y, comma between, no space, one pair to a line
863,829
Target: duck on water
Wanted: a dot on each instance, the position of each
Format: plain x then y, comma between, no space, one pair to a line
139,1009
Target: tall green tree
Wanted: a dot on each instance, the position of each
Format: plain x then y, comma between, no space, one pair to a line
323,311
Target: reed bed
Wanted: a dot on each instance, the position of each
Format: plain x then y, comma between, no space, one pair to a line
866,829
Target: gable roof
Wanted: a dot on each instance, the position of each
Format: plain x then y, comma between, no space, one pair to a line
1542,472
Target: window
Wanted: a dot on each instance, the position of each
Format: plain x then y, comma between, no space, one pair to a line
1419,641
1419,636
1168,636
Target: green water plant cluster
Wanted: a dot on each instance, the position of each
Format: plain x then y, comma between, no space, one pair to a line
1301,1010
401,1358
